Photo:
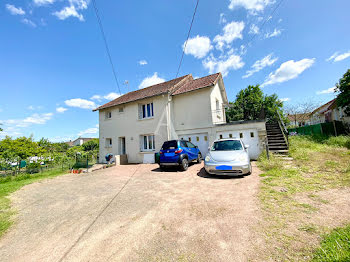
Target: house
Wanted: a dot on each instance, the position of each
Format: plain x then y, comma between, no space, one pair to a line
329,112
79,141
136,124
298,120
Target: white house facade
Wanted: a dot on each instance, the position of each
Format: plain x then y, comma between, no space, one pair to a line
137,123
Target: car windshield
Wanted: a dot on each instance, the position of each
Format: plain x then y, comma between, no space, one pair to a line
169,145
227,145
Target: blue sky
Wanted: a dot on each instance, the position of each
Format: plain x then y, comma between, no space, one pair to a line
54,67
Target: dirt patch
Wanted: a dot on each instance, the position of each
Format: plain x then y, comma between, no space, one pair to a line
158,216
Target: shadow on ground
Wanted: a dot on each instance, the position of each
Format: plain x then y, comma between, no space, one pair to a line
202,173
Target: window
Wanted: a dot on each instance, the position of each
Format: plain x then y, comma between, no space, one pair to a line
146,111
189,139
241,135
108,115
197,138
230,135
251,134
217,105
220,136
121,109
205,138
190,145
108,142
227,145
172,144
147,143
183,144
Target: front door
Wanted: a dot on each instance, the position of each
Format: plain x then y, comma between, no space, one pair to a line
122,149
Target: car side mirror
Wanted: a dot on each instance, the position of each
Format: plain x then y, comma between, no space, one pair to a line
246,146
208,148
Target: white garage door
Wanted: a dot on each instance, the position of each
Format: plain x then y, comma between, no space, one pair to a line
200,140
249,137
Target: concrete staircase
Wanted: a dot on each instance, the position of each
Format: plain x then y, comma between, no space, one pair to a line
275,139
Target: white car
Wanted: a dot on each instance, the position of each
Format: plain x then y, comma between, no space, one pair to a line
228,157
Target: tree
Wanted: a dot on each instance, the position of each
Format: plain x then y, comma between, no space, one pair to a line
91,145
252,104
343,87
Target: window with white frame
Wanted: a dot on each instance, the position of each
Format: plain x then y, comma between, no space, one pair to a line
108,115
108,142
121,109
146,111
147,143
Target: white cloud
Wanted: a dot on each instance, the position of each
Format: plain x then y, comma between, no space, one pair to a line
38,119
275,33
336,57
72,10
326,91
260,64
285,99
222,19
254,29
288,70
111,96
89,131
15,10
96,97
250,5
28,22
151,80
67,12
142,62
198,46
61,109
231,32
43,2
223,64
80,103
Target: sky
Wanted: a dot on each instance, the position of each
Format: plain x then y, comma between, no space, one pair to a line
54,68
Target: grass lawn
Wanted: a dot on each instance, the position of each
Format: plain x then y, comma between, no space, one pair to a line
11,184
293,192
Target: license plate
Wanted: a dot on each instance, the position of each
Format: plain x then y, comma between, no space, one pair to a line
224,167
169,154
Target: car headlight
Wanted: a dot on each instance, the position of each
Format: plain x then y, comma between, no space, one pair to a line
242,158
207,158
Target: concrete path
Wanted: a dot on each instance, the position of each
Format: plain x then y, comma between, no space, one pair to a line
134,213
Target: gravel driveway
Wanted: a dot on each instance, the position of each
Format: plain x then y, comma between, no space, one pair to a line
134,213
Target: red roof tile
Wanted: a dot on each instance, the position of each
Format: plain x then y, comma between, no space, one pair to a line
197,84
176,86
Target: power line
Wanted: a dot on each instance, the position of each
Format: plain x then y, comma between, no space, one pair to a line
265,21
106,44
188,36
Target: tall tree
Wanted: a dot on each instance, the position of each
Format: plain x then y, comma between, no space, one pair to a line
343,87
252,104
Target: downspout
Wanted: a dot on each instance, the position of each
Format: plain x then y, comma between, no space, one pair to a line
168,122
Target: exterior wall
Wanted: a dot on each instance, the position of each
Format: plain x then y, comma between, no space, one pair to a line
218,114
191,110
127,124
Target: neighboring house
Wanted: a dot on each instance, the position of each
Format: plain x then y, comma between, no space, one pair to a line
298,120
136,124
328,113
79,141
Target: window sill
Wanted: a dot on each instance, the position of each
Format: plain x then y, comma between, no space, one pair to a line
148,152
146,118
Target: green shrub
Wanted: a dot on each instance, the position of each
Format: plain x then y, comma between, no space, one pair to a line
340,141
33,168
5,179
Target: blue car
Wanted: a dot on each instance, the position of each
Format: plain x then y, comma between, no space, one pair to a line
178,153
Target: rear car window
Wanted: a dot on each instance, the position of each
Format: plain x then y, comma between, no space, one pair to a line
169,145
227,145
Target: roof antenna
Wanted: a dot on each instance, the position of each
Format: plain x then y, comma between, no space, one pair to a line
126,83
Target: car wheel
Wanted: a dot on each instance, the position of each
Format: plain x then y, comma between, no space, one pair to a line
199,158
250,170
161,167
184,164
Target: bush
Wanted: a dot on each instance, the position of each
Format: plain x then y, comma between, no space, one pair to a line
33,168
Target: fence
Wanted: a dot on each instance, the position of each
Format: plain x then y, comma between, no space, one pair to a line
334,128
28,166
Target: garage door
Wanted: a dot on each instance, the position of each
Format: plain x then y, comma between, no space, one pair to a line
200,140
249,137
